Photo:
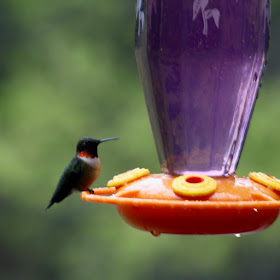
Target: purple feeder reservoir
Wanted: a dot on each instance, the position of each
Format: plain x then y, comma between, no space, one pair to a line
200,62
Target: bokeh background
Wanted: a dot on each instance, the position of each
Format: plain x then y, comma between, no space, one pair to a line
67,69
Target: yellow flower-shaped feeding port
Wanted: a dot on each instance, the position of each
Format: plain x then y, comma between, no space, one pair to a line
194,185
266,180
127,177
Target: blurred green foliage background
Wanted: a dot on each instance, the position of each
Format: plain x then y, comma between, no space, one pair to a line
67,69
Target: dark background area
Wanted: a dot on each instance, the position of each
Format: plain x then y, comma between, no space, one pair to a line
68,70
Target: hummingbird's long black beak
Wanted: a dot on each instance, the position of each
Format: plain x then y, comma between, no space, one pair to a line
108,139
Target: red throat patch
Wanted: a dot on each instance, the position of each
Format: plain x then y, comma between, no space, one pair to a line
84,154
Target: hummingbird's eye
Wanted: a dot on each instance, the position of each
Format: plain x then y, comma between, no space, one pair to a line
86,145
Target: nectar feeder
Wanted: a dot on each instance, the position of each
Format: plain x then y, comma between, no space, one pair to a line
200,64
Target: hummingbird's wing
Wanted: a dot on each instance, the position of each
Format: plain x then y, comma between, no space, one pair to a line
67,181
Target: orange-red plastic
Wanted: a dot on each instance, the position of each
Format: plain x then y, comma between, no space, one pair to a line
239,205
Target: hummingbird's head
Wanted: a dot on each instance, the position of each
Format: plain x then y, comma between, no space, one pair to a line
87,146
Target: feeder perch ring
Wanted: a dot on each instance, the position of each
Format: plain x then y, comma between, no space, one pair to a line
194,185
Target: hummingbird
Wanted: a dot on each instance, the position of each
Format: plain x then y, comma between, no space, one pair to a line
81,171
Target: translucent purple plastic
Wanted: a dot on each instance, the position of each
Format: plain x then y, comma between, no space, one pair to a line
200,64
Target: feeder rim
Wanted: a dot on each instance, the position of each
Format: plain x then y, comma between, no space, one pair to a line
123,201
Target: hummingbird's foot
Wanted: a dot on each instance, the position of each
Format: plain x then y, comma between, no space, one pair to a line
90,191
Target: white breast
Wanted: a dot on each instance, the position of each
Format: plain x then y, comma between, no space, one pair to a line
90,171
93,162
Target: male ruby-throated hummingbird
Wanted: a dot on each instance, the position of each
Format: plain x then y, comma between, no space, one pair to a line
81,171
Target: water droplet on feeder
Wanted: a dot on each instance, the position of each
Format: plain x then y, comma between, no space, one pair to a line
155,233
256,210
238,235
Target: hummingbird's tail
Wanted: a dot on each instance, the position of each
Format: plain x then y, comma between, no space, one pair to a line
60,193
50,204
